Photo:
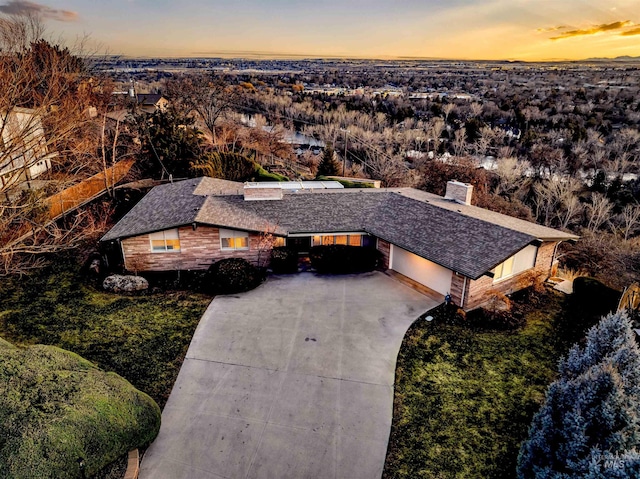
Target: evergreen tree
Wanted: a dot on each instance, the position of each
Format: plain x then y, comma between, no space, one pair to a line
171,138
328,165
589,425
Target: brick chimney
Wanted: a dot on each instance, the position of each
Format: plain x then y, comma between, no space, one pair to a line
459,192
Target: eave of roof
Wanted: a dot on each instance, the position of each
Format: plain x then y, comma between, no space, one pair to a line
458,237
540,232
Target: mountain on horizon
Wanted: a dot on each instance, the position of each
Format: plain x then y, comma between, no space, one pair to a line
624,58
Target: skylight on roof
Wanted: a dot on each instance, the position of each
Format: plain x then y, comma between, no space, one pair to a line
295,185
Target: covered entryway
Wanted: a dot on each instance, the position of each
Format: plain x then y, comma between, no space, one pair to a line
423,271
301,244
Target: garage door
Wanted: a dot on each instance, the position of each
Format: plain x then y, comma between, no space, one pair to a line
421,270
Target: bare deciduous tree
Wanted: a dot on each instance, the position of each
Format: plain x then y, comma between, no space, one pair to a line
208,96
556,201
447,110
49,141
598,212
513,175
459,143
629,220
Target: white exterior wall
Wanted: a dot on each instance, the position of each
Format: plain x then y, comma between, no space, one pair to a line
24,142
425,272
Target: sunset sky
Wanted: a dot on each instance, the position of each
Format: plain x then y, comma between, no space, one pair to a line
453,29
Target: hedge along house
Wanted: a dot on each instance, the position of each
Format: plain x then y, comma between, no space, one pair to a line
441,243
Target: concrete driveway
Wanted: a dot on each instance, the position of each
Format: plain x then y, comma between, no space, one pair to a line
291,380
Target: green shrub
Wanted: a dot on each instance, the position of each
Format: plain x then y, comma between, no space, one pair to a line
234,275
342,259
56,407
263,175
232,166
346,183
284,260
188,280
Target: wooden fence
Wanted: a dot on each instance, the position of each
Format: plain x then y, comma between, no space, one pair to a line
87,190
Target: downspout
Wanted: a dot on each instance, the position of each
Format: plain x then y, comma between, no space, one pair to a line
464,291
124,259
553,257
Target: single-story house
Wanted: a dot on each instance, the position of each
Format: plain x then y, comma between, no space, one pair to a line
442,243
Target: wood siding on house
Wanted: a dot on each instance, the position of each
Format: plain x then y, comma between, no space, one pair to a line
385,248
458,287
199,248
479,291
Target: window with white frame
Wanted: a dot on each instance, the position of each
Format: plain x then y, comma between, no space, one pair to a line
165,241
503,270
521,261
232,240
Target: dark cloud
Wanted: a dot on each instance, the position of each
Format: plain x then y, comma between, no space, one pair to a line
24,7
605,27
634,31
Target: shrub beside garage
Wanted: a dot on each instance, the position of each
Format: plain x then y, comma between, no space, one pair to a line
56,407
284,260
343,259
234,275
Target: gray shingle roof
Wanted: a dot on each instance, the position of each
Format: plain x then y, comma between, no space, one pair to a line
469,243
165,206
516,224
148,98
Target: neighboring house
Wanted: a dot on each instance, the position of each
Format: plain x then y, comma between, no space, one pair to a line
151,102
442,243
23,147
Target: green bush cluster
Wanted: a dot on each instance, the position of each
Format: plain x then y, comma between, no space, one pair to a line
232,166
234,275
56,407
263,175
346,183
284,260
343,259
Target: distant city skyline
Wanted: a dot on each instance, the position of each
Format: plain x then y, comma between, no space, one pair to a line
530,30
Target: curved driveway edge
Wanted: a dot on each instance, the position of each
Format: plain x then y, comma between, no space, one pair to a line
291,380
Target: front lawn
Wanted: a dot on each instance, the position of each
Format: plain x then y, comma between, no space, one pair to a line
465,398
142,338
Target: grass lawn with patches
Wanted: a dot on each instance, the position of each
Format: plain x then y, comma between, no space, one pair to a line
464,398
142,338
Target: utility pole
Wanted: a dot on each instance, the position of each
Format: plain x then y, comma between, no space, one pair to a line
344,158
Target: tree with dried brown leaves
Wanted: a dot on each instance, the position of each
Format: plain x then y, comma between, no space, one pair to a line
49,141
